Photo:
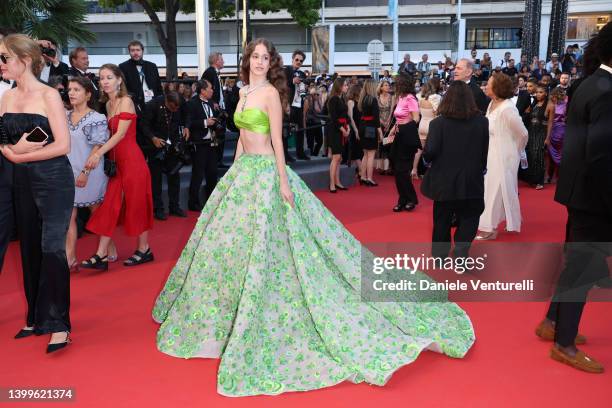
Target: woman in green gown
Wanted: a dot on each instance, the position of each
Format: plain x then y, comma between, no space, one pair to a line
269,281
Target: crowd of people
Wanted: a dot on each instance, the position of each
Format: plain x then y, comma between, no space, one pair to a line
469,128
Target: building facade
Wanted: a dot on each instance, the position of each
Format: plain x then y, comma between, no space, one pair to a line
425,26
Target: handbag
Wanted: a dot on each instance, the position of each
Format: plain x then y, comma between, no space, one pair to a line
110,167
369,132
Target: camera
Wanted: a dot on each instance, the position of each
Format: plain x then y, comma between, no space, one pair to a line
220,124
49,52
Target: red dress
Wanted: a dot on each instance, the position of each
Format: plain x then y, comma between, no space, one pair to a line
128,198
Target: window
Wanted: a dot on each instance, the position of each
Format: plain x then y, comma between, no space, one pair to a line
583,27
493,38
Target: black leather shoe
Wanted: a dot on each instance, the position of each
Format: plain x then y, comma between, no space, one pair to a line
52,347
398,208
178,212
341,188
24,333
410,207
195,207
160,214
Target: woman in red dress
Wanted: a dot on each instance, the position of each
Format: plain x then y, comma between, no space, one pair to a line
128,198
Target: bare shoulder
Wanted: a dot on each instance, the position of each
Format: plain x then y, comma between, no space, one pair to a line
50,94
126,105
271,91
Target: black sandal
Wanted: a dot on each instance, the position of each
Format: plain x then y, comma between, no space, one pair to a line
139,258
95,262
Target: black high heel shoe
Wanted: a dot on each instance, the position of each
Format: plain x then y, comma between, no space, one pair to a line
24,333
333,190
96,262
52,347
341,188
371,183
363,181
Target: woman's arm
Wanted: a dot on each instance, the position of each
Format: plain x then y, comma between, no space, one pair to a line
56,116
126,105
550,114
275,112
351,104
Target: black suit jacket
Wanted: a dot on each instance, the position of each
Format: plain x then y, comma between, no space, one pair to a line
482,101
61,70
457,150
73,72
196,116
133,84
154,121
211,76
585,173
522,103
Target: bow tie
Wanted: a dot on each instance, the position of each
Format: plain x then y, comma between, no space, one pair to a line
6,81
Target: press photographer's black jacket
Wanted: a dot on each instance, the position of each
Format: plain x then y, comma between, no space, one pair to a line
196,115
154,122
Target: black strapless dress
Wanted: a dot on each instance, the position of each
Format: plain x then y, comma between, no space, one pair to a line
44,194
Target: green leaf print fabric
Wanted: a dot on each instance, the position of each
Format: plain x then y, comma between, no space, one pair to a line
274,292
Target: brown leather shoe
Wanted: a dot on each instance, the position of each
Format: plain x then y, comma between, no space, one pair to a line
580,361
545,332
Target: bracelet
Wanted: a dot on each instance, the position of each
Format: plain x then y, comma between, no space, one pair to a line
85,172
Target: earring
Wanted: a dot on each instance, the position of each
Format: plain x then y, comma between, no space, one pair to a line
118,88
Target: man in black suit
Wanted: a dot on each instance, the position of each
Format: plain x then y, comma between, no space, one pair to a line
201,122
526,99
213,76
53,65
585,188
464,71
143,83
141,77
295,83
161,124
79,64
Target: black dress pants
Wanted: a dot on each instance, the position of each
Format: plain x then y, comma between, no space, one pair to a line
157,175
585,265
44,196
403,150
297,117
204,166
314,139
467,213
6,206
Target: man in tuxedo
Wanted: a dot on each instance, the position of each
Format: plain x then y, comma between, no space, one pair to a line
526,99
79,64
297,88
143,83
201,122
53,65
464,72
585,188
161,124
141,77
213,76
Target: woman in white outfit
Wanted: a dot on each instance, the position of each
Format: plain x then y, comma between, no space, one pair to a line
507,139
429,100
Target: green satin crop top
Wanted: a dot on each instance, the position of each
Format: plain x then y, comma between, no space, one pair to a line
253,119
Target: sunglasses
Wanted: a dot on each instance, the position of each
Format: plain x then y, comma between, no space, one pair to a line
298,60
5,58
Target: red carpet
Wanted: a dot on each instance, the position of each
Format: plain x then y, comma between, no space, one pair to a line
114,362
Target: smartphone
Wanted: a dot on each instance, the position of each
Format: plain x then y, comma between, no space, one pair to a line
37,135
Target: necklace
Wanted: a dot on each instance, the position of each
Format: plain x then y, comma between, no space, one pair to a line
249,90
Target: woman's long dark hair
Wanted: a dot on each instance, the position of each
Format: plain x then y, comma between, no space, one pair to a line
336,90
458,102
404,85
276,73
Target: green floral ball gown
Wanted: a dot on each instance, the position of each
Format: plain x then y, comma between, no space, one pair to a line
274,292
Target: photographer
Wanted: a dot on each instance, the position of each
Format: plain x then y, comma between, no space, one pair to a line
202,125
53,65
162,123
213,76
297,93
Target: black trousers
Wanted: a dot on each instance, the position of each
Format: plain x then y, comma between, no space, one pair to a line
402,167
585,264
204,166
467,213
6,205
44,196
221,147
297,117
157,175
314,139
